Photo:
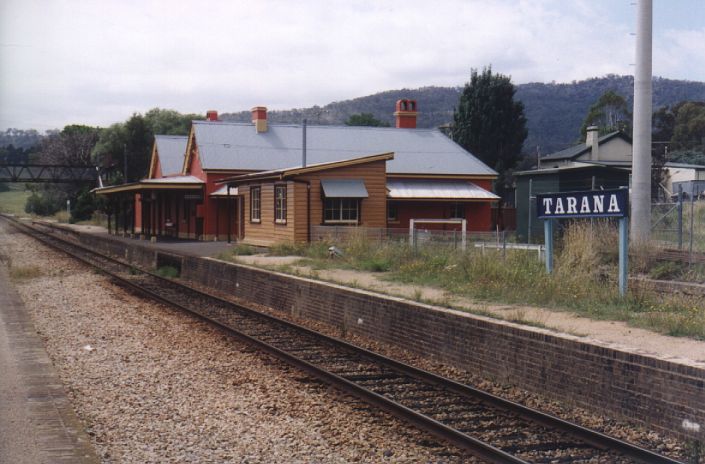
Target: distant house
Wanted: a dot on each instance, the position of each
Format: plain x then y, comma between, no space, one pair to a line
260,184
690,178
600,163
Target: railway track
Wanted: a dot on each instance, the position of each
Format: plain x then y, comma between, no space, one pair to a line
482,424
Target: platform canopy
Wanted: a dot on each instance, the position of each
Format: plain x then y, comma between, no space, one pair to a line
437,190
163,183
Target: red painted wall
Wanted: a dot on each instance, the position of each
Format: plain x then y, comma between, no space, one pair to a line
478,215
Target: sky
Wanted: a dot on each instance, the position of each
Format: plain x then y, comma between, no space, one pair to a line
97,62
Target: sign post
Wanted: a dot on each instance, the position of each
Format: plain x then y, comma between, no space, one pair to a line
589,204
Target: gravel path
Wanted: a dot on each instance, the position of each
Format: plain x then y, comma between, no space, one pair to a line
154,385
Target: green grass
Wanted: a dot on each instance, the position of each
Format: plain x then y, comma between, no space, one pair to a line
168,271
584,281
13,200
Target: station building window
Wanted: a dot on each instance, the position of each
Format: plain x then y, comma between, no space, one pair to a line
255,204
280,204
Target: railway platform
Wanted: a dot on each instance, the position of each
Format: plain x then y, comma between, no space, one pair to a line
37,423
197,248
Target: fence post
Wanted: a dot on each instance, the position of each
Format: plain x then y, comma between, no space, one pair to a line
692,219
680,217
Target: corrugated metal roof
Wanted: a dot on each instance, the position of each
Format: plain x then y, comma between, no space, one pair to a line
344,188
223,192
173,180
577,150
171,149
224,145
407,189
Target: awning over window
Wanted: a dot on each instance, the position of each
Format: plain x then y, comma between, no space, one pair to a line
344,188
437,190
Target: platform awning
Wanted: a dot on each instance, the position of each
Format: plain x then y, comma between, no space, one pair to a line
344,188
437,190
222,192
162,183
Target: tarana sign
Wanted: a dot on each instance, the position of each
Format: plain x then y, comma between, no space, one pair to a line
591,204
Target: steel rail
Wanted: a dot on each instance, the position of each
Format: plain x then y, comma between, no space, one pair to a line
460,439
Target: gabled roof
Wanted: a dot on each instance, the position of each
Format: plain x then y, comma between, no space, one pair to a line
227,145
278,174
171,150
580,149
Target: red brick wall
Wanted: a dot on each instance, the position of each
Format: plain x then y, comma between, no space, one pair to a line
651,391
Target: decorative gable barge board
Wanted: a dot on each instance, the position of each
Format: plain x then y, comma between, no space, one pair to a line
655,392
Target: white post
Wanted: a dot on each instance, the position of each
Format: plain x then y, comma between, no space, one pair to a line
464,234
641,158
411,232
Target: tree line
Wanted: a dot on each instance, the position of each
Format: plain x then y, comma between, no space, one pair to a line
111,148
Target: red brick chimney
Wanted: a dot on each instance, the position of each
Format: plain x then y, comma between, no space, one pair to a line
259,118
211,115
406,114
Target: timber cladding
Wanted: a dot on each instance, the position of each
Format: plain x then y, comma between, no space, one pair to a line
304,201
655,392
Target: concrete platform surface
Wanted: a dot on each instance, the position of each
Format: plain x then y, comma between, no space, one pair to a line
37,423
181,246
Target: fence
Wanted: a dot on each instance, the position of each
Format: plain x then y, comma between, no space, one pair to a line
678,227
422,236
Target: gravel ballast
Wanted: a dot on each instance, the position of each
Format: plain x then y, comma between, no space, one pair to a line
154,385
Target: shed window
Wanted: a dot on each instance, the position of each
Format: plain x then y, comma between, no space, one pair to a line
255,204
280,204
342,210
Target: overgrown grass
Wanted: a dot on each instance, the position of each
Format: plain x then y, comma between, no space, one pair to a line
25,272
584,281
168,271
13,200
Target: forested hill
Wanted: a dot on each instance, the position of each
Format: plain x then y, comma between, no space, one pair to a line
554,111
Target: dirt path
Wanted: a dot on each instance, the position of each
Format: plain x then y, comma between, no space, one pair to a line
612,333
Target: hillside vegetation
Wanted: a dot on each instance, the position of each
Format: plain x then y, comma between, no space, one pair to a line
554,111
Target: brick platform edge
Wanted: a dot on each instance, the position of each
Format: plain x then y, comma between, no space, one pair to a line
59,434
656,392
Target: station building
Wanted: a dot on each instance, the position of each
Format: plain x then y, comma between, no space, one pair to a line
263,183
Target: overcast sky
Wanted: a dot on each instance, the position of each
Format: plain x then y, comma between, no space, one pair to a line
97,62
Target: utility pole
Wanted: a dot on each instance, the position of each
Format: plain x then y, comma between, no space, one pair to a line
641,157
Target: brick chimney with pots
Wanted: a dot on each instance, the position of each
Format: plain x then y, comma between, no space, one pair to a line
593,133
405,114
211,115
259,118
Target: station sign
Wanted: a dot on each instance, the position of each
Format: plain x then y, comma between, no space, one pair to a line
588,204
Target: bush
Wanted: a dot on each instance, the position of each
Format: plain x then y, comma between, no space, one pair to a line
168,271
42,205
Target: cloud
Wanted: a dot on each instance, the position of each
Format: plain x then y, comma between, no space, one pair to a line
97,62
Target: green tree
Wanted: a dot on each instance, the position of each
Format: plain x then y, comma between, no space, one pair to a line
72,146
609,113
689,127
134,139
489,123
169,122
365,119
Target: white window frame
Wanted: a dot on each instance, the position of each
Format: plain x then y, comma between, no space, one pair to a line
280,206
339,209
256,204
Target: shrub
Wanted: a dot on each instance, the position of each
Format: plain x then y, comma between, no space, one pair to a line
168,271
